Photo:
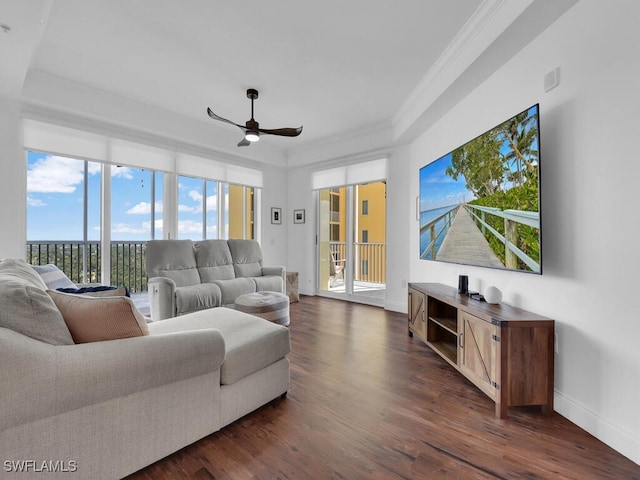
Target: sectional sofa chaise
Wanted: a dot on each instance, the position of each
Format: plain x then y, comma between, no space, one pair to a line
133,392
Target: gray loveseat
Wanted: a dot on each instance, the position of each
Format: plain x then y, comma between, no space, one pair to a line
186,276
105,409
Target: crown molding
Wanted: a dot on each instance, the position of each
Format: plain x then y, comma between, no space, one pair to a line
371,138
486,24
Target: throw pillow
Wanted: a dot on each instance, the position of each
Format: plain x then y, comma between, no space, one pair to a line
97,291
29,310
92,319
53,277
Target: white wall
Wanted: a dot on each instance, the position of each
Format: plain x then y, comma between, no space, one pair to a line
302,251
273,237
400,214
590,171
13,179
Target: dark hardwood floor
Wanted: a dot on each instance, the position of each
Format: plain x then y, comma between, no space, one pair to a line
368,402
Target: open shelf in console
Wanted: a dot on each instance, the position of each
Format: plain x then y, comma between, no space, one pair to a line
442,329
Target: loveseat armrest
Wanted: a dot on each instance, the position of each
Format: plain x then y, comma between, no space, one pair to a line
42,380
277,271
162,298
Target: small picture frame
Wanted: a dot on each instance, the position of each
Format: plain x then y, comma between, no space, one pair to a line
276,215
298,216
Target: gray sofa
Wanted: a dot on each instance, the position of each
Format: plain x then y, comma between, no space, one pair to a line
105,409
186,276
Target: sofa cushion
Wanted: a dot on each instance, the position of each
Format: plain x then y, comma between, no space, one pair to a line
251,343
235,287
26,308
213,260
247,257
21,270
53,277
92,319
269,283
197,297
173,259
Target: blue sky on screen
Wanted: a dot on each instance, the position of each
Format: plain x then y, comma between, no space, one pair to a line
55,193
437,189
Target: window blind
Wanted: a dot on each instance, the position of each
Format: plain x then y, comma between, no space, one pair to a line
70,142
355,174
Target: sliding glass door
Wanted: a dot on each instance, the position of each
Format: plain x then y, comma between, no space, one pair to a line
352,242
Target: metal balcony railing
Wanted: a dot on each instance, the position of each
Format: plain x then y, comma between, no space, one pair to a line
81,261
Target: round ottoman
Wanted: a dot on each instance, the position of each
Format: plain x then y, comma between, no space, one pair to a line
272,306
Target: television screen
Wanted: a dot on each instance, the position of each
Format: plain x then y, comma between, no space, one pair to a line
480,203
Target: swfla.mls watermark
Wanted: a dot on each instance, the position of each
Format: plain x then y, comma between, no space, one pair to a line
40,466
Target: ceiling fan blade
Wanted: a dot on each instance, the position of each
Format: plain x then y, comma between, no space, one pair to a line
218,117
285,132
244,142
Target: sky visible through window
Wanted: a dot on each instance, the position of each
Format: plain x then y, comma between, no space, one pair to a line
55,202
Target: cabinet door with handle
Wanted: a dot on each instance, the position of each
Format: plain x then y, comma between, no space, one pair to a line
479,352
417,320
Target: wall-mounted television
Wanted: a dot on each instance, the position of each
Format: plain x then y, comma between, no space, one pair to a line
480,204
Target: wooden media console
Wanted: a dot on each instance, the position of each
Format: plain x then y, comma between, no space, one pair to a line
507,352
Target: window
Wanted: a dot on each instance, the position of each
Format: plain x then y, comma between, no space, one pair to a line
66,213
365,236
364,267
191,205
136,204
365,207
63,214
204,206
136,217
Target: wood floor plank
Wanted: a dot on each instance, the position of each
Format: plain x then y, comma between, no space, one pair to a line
369,402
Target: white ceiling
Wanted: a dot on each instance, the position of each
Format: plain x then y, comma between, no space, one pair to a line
334,66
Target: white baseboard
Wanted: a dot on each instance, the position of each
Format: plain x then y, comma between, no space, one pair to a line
310,292
400,307
613,435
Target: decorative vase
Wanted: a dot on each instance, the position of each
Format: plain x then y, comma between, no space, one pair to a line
493,295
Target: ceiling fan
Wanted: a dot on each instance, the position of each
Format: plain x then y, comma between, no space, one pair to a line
251,128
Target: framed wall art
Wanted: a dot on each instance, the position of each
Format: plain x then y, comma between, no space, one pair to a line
276,215
298,216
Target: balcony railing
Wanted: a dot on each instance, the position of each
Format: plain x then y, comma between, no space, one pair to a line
81,261
370,260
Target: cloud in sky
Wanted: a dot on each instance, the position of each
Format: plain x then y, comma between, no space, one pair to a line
212,203
187,208
144,208
142,228
121,172
128,228
35,202
55,175
189,226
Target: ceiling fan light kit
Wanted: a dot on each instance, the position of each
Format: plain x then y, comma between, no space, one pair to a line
251,128
252,136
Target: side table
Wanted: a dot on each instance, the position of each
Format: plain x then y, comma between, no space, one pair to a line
292,287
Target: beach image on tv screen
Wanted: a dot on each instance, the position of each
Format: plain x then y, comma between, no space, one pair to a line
480,204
